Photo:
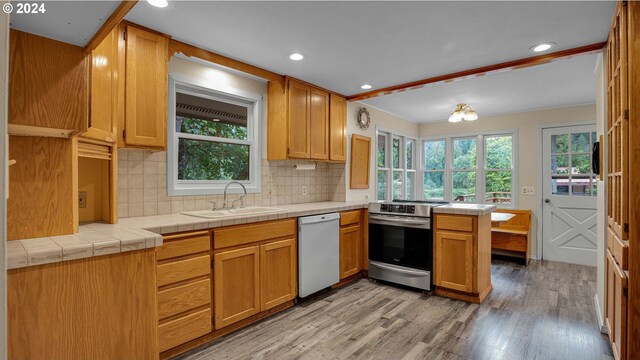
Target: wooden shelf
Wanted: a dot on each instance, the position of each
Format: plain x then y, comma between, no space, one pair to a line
26,130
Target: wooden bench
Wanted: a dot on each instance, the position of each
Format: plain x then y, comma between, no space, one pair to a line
511,237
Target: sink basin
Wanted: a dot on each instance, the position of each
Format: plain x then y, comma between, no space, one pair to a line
254,210
216,214
209,214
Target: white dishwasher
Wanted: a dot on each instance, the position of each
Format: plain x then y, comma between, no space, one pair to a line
318,252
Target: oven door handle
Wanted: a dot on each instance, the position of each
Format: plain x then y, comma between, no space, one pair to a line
396,269
398,221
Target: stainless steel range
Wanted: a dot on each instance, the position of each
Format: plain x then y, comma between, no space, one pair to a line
401,242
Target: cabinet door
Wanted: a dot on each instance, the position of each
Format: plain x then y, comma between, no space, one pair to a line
278,273
104,89
338,128
146,87
350,250
299,120
454,261
616,308
236,285
319,124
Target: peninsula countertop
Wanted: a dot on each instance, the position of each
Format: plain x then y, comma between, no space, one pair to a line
137,233
464,209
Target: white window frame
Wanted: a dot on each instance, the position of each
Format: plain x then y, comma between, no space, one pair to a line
389,169
253,103
480,165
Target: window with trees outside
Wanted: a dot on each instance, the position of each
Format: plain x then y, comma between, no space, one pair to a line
476,169
213,139
396,172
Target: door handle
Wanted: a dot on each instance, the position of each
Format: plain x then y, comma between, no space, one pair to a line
547,201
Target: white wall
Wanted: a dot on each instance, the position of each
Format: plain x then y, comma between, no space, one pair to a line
4,70
378,118
529,160
601,120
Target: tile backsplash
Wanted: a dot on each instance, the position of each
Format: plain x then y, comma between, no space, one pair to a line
142,185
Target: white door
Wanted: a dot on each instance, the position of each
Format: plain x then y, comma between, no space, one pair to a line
569,195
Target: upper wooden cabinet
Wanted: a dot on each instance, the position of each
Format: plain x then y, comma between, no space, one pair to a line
48,85
337,128
146,89
104,90
311,121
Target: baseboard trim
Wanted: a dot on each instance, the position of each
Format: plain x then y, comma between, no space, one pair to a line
601,323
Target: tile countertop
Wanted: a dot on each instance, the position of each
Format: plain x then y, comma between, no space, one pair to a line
464,209
141,233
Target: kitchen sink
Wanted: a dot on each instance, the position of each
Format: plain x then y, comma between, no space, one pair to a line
216,214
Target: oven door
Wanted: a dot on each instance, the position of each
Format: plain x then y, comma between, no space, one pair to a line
400,240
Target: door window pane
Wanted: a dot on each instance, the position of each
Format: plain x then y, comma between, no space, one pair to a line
411,177
560,164
396,153
382,144
498,153
580,143
498,187
560,185
397,184
581,186
206,160
464,154
434,185
581,164
434,155
382,184
560,144
464,186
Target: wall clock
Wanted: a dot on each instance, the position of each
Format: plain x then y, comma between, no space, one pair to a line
363,118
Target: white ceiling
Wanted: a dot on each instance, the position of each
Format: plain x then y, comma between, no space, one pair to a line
347,44
73,22
557,84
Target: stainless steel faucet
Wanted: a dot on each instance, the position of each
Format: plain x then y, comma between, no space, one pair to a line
233,204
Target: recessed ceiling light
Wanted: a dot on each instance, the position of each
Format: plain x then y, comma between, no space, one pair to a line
542,47
158,3
296,56
365,87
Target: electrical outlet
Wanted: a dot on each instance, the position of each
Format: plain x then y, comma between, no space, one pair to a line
82,199
304,191
528,190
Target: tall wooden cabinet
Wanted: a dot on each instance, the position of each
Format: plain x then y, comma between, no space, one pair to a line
310,120
351,243
622,308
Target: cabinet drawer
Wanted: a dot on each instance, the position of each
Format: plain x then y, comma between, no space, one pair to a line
454,222
186,328
618,248
181,270
349,217
184,244
176,300
246,234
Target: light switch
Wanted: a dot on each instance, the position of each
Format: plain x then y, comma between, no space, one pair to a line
528,190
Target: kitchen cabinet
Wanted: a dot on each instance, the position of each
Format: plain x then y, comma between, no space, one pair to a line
183,278
104,90
352,242
278,269
146,89
462,256
337,128
236,285
616,308
311,119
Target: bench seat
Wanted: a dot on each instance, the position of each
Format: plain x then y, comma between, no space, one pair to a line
511,237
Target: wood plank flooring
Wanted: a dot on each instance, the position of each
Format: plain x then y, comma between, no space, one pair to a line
542,311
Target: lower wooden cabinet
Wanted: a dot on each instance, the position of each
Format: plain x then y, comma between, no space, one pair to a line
616,309
236,285
278,269
454,260
350,245
180,330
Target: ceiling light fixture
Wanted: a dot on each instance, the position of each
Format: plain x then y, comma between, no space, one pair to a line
542,47
365,87
463,112
296,56
158,3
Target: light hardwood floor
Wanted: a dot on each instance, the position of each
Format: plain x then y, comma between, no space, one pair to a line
542,311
